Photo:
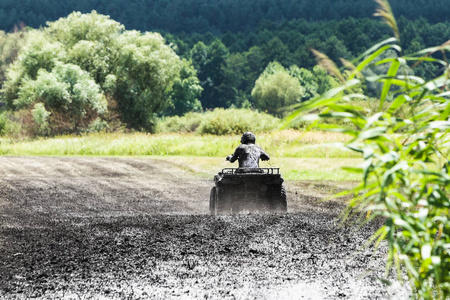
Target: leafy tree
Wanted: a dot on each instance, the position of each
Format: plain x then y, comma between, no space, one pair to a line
324,81
336,49
198,56
312,84
186,91
37,54
257,31
214,68
235,74
307,80
145,73
276,50
254,58
240,73
134,70
276,89
210,64
10,44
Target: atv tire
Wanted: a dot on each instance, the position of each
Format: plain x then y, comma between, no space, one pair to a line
278,199
213,201
282,201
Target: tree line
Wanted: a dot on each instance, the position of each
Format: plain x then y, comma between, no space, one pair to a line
90,66
215,16
228,65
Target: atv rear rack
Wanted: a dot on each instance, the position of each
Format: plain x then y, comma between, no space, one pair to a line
261,171
248,190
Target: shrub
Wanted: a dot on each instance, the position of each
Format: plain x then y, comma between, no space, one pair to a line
4,123
220,122
69,96
187,123
40,116
18,125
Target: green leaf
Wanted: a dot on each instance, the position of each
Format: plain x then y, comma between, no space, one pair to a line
442,125
425,251
378,46
404,224
372,133
387,84
399,101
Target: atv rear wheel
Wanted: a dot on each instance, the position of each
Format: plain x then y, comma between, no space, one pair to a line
282,201
278,199
213,201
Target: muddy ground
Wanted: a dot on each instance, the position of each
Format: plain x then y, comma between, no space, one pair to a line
139,228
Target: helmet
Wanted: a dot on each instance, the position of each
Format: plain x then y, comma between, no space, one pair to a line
248,137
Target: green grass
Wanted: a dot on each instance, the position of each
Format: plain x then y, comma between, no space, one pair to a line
299,155
291,168
288,143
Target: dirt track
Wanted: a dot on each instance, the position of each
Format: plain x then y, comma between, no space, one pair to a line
138,228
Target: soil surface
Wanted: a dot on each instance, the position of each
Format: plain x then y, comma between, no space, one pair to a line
139,228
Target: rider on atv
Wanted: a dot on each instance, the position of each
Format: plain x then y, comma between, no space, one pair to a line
248,154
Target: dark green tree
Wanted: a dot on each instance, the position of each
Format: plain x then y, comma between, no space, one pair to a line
210,63
276,50
186,92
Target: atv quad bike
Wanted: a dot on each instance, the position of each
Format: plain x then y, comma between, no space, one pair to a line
244,190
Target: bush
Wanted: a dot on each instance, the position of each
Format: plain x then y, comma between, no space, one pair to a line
220,122
187,123
18,125
4,123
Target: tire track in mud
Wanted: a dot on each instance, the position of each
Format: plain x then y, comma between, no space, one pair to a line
137,228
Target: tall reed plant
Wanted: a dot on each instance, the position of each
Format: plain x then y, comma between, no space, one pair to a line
405,144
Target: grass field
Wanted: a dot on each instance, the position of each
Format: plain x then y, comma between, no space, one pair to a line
291,168
300,155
